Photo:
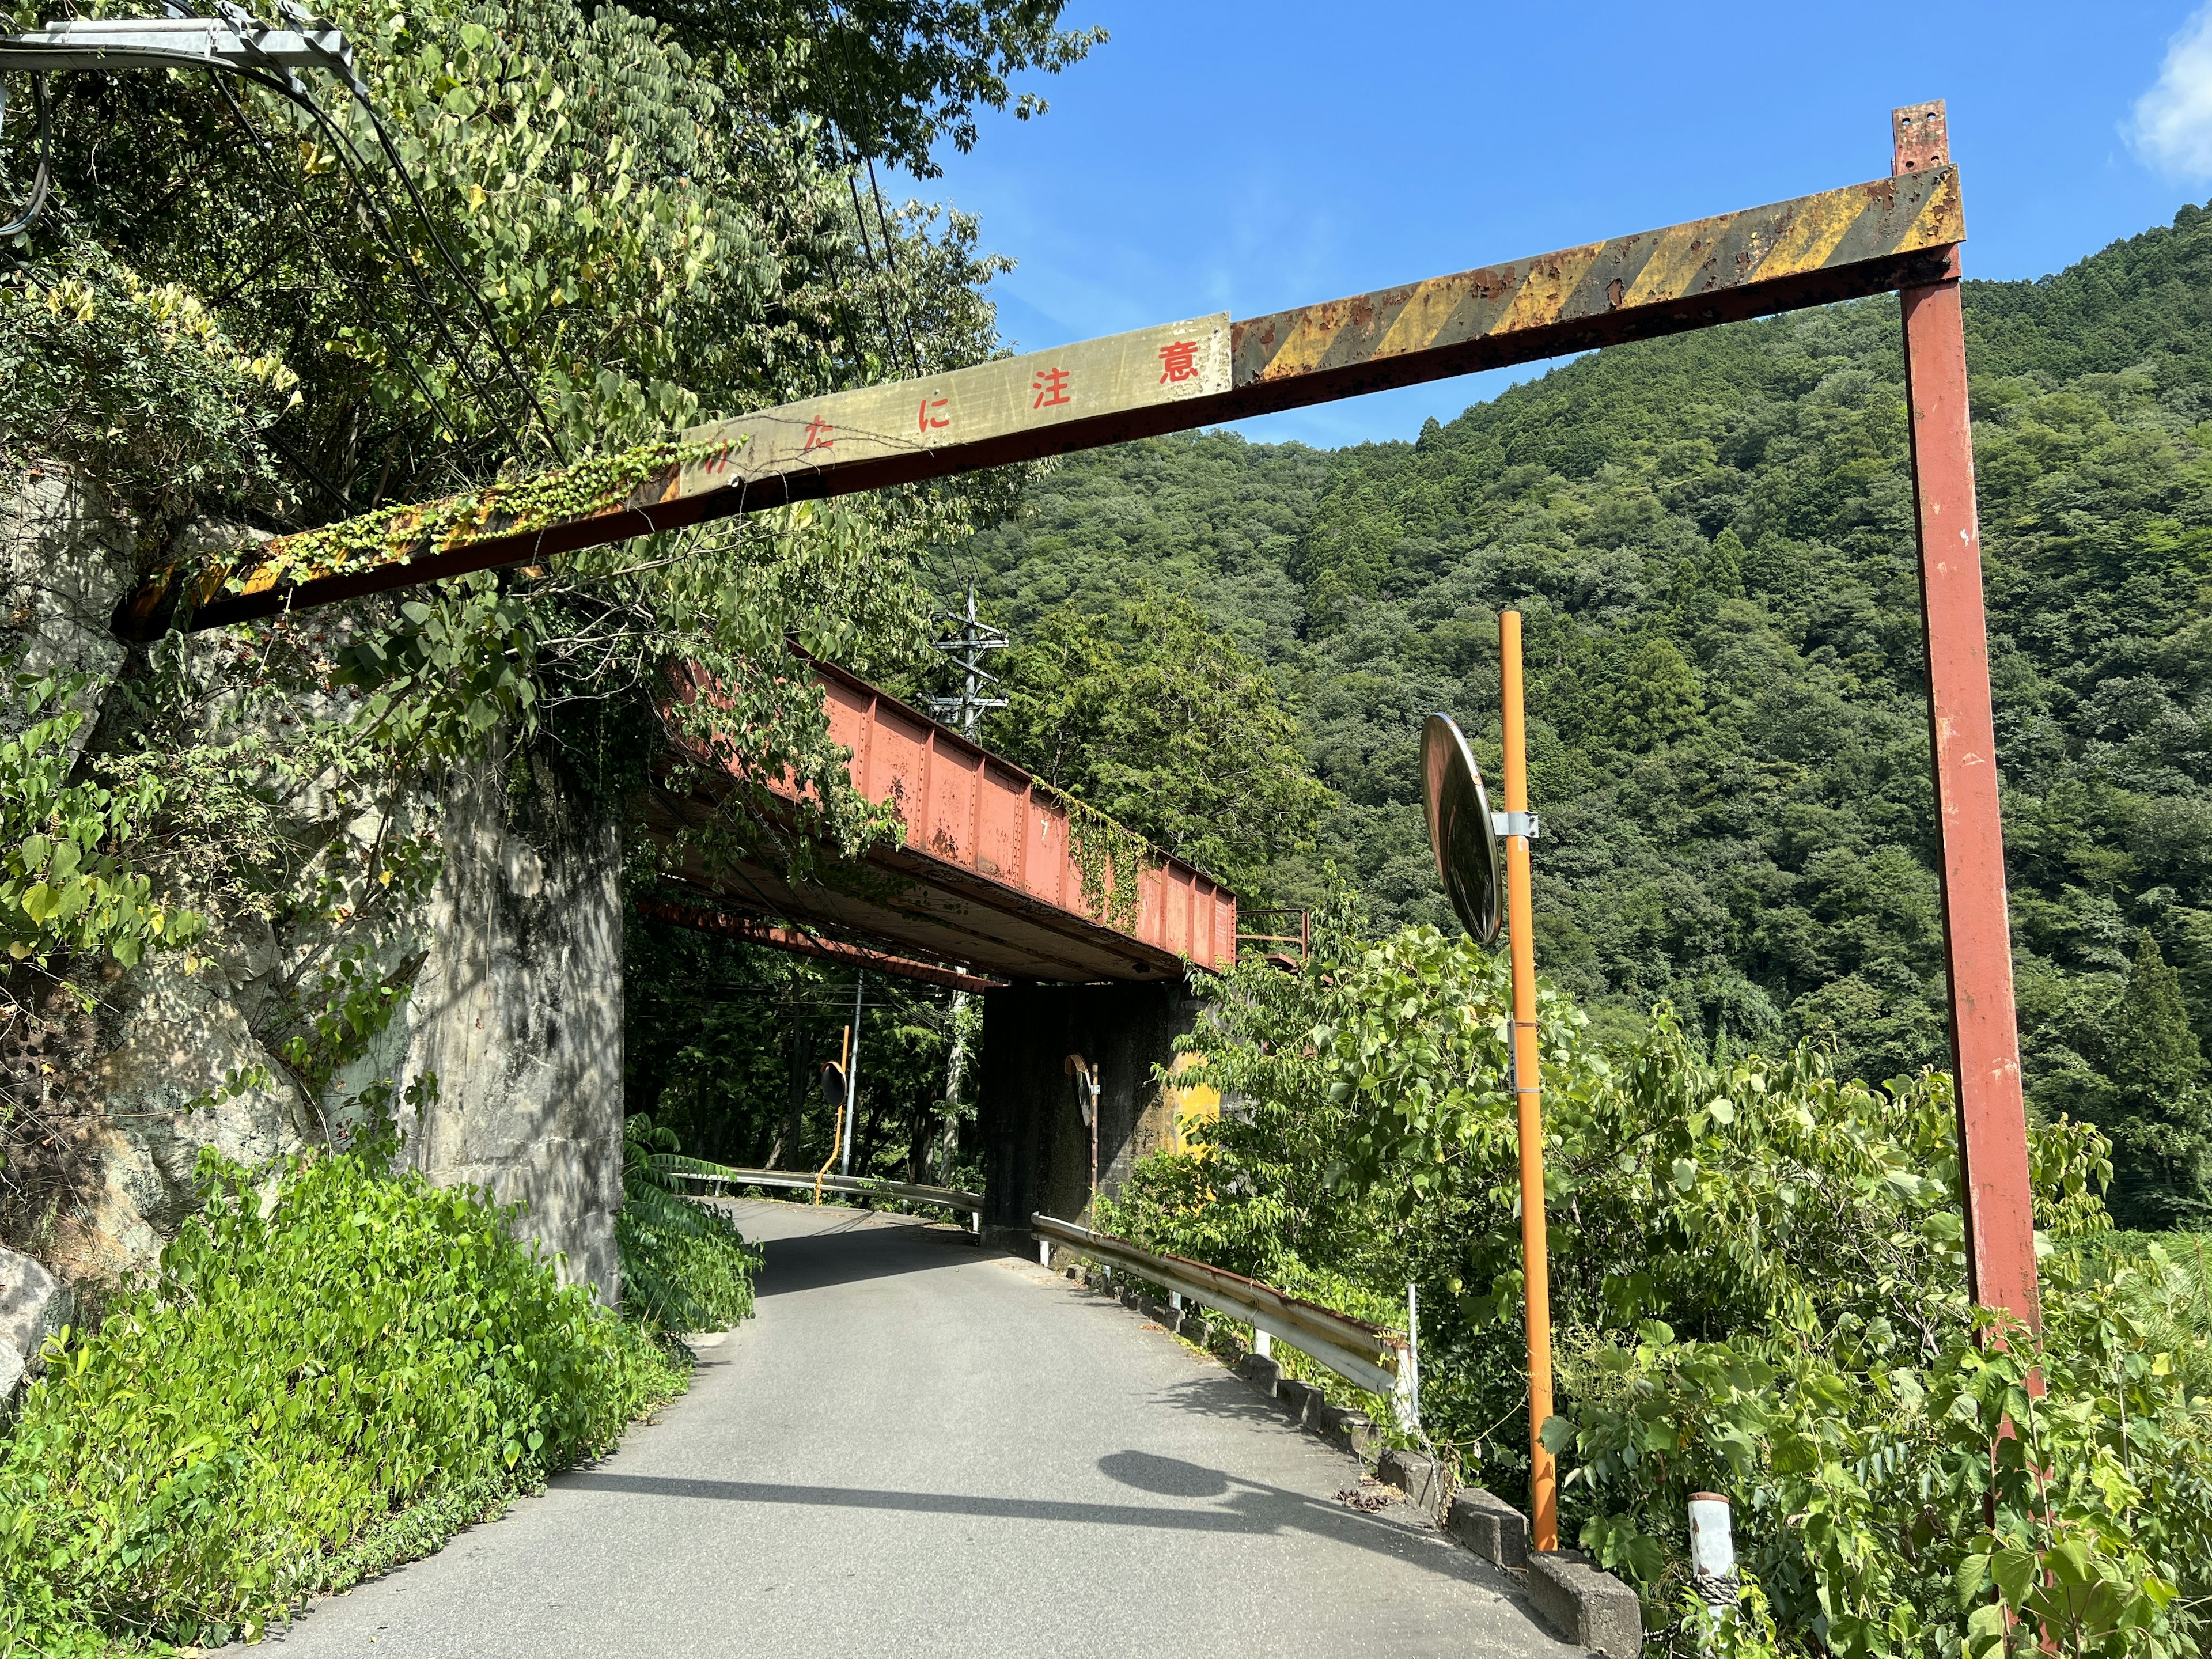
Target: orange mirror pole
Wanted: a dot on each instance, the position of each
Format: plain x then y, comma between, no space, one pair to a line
1543,1474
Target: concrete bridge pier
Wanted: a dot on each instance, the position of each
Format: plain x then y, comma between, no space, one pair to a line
1037,1149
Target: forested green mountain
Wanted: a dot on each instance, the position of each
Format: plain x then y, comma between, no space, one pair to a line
1711,538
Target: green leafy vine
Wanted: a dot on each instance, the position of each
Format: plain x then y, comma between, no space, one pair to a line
515,507
1108,859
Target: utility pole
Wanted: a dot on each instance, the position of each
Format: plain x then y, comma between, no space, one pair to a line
966,645
1536,1272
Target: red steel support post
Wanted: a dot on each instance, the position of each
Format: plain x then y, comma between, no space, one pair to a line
1977,931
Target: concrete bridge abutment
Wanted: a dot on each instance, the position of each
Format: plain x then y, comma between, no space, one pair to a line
1036,1150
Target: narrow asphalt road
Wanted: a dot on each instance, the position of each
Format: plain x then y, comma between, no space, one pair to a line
922,1447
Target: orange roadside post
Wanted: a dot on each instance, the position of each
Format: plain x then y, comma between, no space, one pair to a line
1543,1472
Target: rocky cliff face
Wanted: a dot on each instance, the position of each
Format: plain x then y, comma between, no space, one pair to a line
515,1009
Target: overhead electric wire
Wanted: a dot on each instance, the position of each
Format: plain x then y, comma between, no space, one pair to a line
341,148
860,214
286,85
437,237
860,223
401,352
890,259
875,190
386,225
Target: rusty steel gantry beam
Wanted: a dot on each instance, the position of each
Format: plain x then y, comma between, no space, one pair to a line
1897,235
1843,244
1993,1164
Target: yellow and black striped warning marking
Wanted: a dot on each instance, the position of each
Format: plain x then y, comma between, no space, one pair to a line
1863,240
1834,231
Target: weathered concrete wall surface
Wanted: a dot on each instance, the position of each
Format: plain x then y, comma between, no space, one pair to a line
1036,1148
65,558
519,1010
517,1006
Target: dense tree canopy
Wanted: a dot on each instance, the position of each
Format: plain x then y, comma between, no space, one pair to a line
1153,717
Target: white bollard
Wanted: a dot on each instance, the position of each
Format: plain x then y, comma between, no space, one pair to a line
1262,1343
1712,1549
976,1223
1044,1253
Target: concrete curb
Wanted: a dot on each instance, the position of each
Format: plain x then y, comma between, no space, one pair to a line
1418,1475
1489,1525
1585,1604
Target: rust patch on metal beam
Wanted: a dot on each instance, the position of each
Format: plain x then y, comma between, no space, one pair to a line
1922,138
1842,244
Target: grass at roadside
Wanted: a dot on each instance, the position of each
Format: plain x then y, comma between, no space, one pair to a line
336,1369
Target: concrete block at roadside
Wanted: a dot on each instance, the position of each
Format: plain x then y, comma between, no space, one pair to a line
1262,1372
1585,1604
1421,1478
1489,1525
1349,1430
1302,1400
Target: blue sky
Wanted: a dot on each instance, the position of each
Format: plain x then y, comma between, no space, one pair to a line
1246,157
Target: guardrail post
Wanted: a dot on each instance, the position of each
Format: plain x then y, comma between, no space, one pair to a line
1044,1253
1712,1550
1262,1343
1406,1401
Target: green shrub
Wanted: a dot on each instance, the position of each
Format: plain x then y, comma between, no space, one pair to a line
1911,1508
684,1265
326,1346
1757,1287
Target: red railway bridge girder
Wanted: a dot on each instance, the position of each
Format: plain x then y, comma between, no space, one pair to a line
989,874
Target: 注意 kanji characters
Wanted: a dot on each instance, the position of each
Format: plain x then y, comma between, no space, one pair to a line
1178,361
1051,388
909,423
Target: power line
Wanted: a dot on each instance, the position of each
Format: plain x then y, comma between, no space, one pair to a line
852,183
235,40
402,353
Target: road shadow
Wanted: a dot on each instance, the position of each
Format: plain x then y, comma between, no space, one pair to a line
1233,1504
857,1245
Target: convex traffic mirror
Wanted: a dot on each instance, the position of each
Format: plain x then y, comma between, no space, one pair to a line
1460,831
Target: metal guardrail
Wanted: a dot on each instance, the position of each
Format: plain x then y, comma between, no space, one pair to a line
1367,1356
950,1198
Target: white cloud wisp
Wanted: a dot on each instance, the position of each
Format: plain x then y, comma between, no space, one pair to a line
2172,125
